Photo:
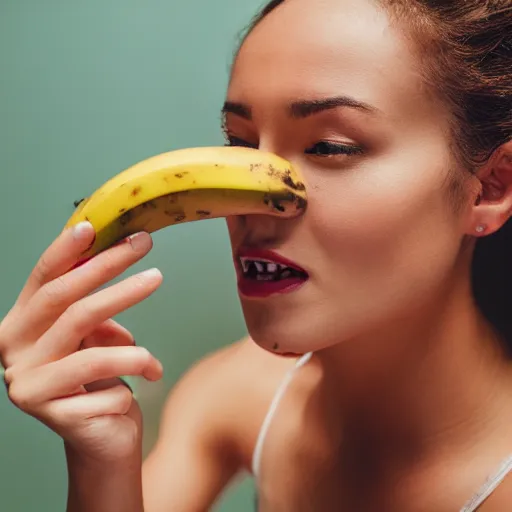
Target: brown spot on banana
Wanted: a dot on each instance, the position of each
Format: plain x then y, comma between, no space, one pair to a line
125,218
286,177
288,180
301,203
275,200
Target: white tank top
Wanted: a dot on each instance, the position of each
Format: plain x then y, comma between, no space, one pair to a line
471,505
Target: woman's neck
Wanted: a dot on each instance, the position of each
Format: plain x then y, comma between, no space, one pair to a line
426,388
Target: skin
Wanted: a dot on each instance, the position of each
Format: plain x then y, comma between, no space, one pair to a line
407,376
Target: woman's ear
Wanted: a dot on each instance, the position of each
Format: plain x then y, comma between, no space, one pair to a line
493,207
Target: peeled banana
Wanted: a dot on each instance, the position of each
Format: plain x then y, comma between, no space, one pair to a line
189,185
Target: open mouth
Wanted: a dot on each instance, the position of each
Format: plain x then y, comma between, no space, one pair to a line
264,270
263,273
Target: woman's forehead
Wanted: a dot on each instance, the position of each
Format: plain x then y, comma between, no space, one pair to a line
322,48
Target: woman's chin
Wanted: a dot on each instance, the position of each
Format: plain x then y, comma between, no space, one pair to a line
294,329
282,339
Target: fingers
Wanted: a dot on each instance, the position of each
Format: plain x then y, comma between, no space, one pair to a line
54,297
98,385
71,411
28,389
59,257
80,320
28,323
109,334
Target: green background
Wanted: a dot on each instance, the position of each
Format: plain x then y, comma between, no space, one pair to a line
87,89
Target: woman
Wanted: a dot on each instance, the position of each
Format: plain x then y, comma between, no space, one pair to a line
377,376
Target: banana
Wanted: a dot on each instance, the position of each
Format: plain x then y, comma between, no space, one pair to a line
188,185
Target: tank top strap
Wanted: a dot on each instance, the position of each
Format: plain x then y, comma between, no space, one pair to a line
281,390
471,506
489,486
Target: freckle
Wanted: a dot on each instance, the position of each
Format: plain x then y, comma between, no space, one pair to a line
276,346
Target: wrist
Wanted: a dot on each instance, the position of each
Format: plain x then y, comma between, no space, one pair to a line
112,485
103,463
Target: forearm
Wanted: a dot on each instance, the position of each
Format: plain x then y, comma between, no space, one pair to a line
95,487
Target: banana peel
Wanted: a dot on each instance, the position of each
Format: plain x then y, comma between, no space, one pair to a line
189,185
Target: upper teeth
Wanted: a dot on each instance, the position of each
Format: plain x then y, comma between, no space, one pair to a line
262,265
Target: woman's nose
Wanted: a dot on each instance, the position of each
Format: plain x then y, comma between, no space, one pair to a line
259,230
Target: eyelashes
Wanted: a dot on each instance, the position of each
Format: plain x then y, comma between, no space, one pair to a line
325,149
322,149
235,141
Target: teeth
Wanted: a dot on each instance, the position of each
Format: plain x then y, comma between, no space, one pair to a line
265,277
272,267
262,270
245,264
260,266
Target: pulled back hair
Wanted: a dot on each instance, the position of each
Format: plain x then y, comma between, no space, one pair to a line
465,50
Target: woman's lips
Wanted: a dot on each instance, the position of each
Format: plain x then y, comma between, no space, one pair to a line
262,273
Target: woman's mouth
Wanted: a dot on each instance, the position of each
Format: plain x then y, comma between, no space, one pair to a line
263,273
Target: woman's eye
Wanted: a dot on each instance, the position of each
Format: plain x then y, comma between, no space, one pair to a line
236,141
321,149
326,149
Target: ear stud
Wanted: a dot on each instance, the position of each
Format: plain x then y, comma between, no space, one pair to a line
480,228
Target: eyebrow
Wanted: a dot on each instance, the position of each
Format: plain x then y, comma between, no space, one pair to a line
306,108
239,109
303,108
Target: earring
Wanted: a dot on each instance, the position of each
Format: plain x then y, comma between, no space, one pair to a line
480,228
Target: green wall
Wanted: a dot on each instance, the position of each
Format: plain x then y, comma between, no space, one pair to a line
87,89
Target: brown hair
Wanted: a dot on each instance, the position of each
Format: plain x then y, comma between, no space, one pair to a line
466,58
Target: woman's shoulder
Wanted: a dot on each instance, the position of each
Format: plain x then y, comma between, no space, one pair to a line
236,369
209,426
229,391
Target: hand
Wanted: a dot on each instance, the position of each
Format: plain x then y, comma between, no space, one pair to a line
63,354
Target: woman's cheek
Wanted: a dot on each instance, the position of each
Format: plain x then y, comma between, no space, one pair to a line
346,211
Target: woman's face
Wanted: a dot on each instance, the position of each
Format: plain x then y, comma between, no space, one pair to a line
335,88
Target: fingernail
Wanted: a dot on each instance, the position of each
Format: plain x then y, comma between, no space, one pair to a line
82,230
152,272
138,241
